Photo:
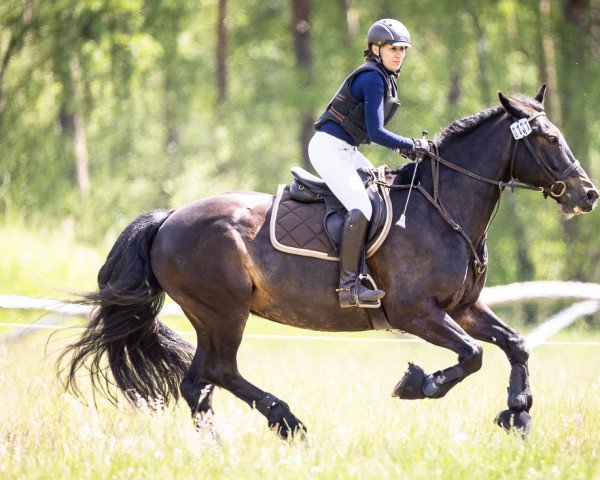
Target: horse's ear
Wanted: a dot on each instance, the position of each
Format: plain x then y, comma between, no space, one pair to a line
505,102
541,94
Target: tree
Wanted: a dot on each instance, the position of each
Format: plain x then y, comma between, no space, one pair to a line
573,32
547,61
301,10
221,51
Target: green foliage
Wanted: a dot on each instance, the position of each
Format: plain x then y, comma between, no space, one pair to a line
142,76
47,263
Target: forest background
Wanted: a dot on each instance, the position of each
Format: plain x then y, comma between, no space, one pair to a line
109,108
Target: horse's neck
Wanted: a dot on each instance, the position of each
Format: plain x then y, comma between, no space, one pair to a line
470,202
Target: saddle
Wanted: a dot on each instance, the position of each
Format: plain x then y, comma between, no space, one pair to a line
307,219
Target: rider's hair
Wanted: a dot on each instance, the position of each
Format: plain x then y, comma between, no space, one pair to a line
369,55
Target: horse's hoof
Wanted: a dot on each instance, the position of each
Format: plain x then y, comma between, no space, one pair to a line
514,421
410,387
285,424
288,432
205,426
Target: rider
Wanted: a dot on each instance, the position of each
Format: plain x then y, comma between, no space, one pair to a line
358,113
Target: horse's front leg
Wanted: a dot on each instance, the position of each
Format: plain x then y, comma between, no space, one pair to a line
481,323
432,324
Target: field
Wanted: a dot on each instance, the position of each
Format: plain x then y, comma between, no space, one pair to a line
339,389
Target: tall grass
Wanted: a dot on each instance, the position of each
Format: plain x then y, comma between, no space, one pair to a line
341,391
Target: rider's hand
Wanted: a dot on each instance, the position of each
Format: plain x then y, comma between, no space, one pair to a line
421,148
405,152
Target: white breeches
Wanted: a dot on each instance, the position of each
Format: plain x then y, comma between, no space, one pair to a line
336,162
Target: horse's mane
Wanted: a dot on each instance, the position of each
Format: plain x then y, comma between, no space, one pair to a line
461,127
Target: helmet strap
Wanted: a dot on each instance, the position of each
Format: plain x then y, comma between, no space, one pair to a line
378,60
377,55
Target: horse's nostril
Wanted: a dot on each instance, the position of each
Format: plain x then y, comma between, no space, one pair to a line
592,196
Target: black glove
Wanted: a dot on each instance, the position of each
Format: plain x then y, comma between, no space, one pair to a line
420,149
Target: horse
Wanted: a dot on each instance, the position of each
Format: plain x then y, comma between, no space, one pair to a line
215,259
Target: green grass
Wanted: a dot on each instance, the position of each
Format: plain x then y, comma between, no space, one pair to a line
341,391
46,263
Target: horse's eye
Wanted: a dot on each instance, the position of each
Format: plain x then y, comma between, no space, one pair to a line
553,139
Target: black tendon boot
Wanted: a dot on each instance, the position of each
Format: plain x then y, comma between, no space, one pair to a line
351,291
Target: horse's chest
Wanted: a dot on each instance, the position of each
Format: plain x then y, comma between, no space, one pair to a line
448,268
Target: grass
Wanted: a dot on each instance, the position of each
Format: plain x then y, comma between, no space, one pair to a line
341,391
48,262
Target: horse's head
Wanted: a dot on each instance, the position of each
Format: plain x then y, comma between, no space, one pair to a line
541,156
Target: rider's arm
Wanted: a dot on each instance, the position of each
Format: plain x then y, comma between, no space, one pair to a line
370,86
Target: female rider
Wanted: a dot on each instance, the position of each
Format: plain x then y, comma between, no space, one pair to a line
357,114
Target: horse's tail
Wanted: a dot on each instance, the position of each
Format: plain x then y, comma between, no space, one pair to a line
147,359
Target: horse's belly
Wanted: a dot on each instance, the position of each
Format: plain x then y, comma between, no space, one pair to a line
301,292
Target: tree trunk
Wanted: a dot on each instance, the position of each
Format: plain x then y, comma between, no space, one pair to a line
301,10
28,10
482,54
547,63
351,29
351,16
172,83
79,137
171,131
301,31
595,28
222,51
16,39
572,41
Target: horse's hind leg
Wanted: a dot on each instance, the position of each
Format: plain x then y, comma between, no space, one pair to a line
197,392
221,369
484,325
215,363
437,327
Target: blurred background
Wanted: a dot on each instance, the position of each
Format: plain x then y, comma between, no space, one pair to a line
109,108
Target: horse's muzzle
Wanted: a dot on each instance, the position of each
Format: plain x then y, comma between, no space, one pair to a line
581,197
586,202
592,198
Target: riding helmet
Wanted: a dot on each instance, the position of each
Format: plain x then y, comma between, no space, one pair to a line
388,31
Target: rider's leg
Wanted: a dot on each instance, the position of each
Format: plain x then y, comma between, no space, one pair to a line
334,159
336,162
360,161
352,293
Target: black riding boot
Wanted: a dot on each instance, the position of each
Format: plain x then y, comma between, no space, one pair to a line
351,291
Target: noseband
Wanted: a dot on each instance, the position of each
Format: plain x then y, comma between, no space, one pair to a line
520,130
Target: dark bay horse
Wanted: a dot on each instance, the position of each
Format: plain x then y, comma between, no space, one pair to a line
215,259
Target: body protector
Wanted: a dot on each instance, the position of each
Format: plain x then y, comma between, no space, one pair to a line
345,110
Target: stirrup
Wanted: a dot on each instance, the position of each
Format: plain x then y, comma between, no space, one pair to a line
373,285
349,298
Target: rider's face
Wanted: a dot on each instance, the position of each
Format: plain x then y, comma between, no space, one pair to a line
391,57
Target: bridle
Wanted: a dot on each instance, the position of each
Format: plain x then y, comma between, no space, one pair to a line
521,129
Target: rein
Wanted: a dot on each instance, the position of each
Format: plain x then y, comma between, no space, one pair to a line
520,129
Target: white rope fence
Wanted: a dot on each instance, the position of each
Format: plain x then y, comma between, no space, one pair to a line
499,295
